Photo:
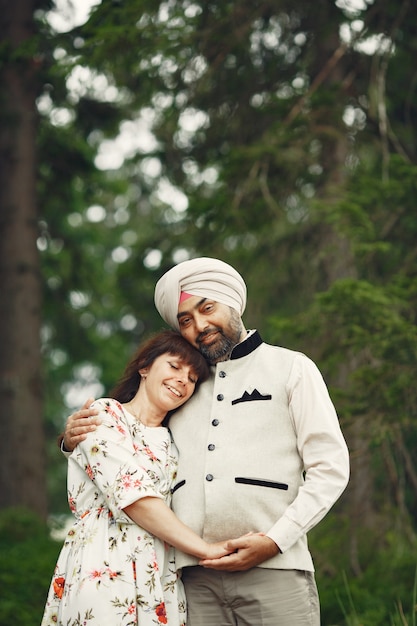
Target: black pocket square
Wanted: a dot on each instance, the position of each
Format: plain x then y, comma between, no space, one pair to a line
248,397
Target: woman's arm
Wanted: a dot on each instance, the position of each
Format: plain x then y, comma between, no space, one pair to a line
152,514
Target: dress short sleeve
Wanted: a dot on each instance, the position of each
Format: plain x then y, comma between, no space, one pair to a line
118,460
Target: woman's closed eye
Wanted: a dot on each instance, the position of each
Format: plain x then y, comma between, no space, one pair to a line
192,377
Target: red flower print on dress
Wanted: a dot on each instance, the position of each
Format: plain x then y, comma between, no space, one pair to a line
111,574
161,613
108,409
59,584
150,454
96,575
127,481
100,510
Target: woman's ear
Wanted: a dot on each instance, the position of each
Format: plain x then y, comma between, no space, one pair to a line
143,372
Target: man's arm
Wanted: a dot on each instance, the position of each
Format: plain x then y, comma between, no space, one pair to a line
326,462
78,425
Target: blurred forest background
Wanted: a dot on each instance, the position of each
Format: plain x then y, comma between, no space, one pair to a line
277,135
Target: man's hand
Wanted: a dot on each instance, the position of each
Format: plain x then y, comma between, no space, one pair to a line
247,552
79,424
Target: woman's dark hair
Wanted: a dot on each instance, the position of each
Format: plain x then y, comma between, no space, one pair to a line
165,342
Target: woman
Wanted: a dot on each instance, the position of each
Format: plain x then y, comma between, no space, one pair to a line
116,567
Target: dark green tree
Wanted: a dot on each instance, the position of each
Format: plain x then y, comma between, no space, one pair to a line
22,465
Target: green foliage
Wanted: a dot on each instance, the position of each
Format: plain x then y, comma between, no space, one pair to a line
380,595
28,557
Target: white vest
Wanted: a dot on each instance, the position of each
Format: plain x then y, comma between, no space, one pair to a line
240,464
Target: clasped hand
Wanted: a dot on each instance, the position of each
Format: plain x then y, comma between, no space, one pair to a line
245,552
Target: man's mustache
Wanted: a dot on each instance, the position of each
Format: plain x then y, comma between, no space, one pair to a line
208,331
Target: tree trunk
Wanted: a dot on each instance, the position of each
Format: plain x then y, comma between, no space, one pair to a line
22,457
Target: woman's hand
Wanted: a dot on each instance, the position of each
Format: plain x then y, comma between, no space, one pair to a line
216,550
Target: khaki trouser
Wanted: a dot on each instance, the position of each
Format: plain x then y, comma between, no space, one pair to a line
257,597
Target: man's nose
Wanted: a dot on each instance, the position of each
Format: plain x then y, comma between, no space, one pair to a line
201,323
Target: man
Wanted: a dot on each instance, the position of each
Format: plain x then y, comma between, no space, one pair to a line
261,454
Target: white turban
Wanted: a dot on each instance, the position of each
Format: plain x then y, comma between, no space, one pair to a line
204,277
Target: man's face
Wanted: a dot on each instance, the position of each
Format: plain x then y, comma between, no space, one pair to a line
211,327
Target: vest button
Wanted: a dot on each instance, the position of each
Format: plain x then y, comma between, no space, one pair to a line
209,477
220,397
215,422
211,446
222,374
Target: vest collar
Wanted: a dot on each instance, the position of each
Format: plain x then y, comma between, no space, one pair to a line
246,346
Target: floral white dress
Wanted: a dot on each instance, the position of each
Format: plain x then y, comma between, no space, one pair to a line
111,572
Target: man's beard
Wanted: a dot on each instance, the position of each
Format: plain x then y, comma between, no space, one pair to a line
226,340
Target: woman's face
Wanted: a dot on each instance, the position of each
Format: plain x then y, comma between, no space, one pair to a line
169,382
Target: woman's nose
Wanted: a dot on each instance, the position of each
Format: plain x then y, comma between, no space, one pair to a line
182,376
